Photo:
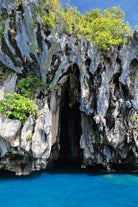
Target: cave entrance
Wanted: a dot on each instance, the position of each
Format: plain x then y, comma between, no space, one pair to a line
70,124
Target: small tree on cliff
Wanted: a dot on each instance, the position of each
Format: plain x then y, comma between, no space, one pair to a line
107,28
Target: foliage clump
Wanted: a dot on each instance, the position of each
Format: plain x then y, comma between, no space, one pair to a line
28,86
49,11
107,28
15,106
18,3
3,17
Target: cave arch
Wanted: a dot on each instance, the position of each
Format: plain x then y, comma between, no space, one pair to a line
70,120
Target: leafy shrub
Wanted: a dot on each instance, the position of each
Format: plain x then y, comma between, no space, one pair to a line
48,11
104,28
29,85
70,20
15,106
18,3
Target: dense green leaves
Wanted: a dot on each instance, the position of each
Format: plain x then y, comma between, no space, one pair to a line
15,106
107,28
104,28
18,3
48,11
28,86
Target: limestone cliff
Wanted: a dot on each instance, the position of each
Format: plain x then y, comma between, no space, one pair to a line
89,112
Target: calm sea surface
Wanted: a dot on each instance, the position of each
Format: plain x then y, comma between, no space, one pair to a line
66,188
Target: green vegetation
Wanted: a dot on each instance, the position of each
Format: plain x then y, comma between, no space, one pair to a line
3,17
94,136
107,28
18,3
48,11
4,73
15,106
35,49
29,86
29,137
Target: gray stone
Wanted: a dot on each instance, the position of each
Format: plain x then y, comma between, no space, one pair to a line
1,92
10,84
26,134
4,147
42,138
9,130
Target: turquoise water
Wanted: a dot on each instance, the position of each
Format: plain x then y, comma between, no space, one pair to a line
69,189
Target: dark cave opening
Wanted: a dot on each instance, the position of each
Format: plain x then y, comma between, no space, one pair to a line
70,132
70,127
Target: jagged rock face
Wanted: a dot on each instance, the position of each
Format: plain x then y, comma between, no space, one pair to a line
90,111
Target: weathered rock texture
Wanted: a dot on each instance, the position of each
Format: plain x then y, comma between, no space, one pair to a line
89,113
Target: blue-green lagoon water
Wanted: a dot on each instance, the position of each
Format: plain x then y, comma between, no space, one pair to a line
66,188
